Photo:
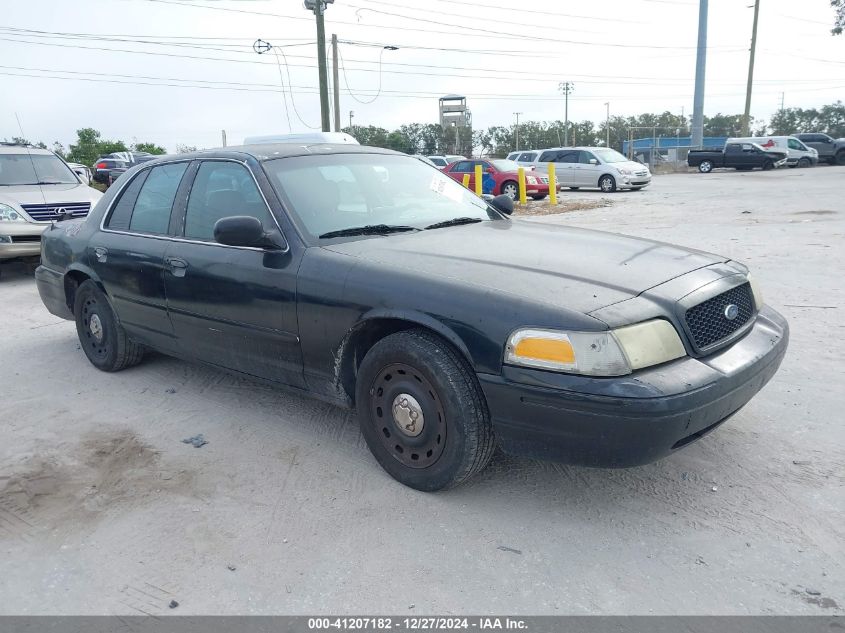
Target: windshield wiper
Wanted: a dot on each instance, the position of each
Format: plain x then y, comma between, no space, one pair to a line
452,222
369,229
52,182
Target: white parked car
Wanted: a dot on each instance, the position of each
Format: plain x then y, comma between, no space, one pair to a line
36,189
593,167
797,154
525,157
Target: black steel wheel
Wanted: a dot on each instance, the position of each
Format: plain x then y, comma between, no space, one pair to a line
102,338
422,412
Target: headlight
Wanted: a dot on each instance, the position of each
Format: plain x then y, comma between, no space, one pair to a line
531,180
610,353
8,214
755,290
624,172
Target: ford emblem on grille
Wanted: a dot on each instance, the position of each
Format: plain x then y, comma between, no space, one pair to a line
731,311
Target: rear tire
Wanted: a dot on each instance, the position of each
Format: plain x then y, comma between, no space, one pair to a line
840,158
101,337
574,188
607,183
705,167
417,378
539,197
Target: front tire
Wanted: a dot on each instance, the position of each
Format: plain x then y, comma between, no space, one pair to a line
705,166
804,162
103,340
538,197
422,412
510,189
840,158
768,165
574,188
607,183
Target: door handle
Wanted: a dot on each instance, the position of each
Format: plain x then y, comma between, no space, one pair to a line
101,254
176,266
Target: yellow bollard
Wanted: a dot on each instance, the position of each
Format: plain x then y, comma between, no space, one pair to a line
552,184
478,177
522,197
466,181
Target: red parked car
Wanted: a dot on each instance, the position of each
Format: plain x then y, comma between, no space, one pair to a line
500,177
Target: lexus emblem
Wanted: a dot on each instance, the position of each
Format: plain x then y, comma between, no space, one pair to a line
60,211
731,312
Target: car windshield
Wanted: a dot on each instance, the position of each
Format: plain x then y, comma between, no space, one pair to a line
33,169
608,155
505,165
349,191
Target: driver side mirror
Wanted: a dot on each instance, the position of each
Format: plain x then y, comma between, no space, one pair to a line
245,230
502,204
593,161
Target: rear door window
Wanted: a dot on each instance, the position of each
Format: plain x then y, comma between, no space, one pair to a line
155,200
463,167
122,211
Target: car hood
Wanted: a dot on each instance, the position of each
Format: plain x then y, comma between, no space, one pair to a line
578,269
49,194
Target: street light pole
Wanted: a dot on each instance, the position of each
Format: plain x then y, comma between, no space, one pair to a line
566,87
351,115
335,84
607,125
319,8
746,118
697,130
517,130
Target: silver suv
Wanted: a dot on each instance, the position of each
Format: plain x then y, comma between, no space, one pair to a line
36,188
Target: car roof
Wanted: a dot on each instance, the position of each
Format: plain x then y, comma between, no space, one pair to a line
23,149
269,151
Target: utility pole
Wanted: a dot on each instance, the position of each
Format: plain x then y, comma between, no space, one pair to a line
335,84
319,8
351,115
746,119
517,130
700,64
566,87
223,135
607,125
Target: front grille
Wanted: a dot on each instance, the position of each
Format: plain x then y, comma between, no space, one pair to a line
19,239
641,174
707,322
47,212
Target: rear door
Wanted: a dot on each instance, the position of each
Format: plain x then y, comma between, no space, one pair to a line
232,306
128,254
458,169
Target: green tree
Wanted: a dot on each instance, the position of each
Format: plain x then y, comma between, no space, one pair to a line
150,148
89,146
838,16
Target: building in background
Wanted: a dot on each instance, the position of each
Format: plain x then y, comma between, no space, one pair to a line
456,117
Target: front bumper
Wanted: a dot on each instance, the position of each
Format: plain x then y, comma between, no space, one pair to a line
633,181
20,239
635,419
781,163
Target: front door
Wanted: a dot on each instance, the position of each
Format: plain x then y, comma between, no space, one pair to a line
232,306
587,173
128,255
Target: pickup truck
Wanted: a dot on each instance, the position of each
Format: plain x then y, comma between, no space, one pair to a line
741,156
830,150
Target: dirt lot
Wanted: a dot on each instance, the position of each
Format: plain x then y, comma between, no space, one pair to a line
103,508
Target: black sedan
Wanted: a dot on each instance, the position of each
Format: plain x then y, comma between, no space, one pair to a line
369,279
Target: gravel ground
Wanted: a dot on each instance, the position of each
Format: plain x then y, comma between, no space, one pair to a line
103,508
